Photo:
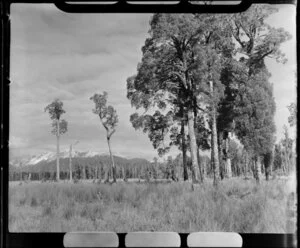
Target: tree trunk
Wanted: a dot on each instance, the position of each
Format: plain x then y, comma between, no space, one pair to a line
193,146
100,170
70,163
57,150
106,177
258,169
267,173
214,145
96,172
184,160
227,159
272,161
113,168
124,174
222,162
204,167
228,168
246,164
198,147
283,162
214,151
200,165
286,158
83,172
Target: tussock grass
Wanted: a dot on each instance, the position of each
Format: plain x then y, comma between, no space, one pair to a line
237,205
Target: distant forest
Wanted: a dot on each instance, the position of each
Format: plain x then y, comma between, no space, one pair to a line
96,168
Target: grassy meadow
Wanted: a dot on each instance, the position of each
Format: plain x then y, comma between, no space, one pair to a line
237,205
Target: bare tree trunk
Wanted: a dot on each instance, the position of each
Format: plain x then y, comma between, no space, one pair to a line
214,151
204,167
100,172
70,163
228,167
246,165
287,162
193,146
113,168
258,169
228,160
214,144
83,172
183,145
272,161
268,160
96,172
57,150
107,175
200,165
267,172
124,174
222,162
283,162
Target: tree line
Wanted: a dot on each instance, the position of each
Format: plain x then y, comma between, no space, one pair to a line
202,79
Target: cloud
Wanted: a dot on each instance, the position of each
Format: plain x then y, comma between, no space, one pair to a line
17,142
71,57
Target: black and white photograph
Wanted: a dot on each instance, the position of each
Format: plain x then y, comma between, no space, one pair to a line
153,122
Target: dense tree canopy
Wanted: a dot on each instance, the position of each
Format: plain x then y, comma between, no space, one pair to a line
213,67
254,103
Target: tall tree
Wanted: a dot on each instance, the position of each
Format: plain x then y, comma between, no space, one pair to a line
174,59
254,124
202,139
59,127
278,157
293,114
109,120
70,160
287,145
255,102
225,119
216,52
165,71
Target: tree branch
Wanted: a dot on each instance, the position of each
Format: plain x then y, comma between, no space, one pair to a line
264,55
203,110
111,133
103,124
183,81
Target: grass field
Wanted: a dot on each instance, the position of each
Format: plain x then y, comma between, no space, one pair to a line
237,205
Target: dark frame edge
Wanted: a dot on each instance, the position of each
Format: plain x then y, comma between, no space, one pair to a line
56,239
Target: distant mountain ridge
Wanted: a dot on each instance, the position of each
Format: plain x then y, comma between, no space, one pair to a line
47,160
50,156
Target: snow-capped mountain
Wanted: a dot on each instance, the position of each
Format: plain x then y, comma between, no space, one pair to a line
42,157
51,156
46,162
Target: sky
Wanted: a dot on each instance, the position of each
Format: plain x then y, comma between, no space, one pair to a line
73,56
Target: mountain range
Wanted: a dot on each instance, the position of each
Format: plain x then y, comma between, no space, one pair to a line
47,161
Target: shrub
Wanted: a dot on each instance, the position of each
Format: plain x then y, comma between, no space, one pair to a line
68,213
68,210
33,202
47,210
22,201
